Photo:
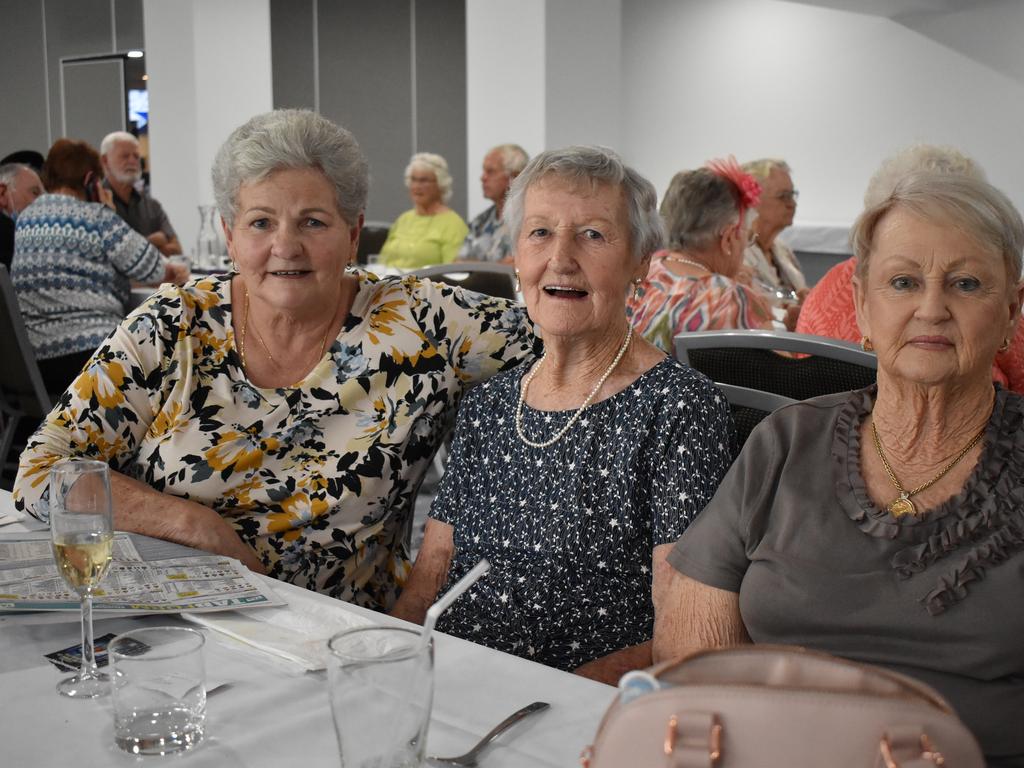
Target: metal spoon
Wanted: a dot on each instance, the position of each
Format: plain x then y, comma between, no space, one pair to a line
469,759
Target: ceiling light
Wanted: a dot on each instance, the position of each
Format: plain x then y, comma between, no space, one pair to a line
135,54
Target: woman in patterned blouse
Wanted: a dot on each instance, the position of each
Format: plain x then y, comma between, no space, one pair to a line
692,286
283,415
573,475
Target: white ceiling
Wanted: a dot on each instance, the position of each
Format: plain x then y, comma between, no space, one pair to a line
894,8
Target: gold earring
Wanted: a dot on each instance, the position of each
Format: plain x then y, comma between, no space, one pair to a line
517,286
636,288
866,345
1005,345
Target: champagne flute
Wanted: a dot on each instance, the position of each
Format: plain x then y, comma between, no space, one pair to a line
82,530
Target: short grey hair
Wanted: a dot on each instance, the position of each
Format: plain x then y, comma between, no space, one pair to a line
697,207
112,138
592,165
291,139
918,157
762,168
970,204
513,158
436,165
9,173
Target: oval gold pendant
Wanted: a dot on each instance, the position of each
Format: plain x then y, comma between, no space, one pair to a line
902,506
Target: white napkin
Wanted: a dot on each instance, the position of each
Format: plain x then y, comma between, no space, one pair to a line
297,633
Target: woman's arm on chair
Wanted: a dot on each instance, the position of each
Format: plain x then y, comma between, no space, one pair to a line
428,574
689,616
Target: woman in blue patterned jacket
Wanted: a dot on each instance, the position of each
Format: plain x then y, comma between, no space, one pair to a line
74,258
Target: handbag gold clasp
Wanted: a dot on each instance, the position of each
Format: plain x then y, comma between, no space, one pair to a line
672,735
928,752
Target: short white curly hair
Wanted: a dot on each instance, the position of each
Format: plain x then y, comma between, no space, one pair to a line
437,165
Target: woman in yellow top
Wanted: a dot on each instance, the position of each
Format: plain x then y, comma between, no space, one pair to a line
430,233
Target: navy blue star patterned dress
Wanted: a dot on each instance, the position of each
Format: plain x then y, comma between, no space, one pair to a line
570,529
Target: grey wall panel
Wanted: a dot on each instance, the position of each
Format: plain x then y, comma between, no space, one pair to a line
23,122
73,28
291,51
128,23
365,84
441,88
94,99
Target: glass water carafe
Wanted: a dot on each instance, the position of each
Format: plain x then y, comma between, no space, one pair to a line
210,253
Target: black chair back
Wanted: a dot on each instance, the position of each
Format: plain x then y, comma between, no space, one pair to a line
747,359
480,276
23,397
371,239
749,407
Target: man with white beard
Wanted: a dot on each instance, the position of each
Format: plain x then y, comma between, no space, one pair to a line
122,167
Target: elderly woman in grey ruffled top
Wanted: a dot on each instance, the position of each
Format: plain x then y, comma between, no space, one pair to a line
887,525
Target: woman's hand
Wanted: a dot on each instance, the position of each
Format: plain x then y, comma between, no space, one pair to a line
138,508
428,574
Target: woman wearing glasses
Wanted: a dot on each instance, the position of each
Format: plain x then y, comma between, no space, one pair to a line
692,286
775,270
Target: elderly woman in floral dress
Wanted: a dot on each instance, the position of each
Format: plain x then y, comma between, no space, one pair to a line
283,415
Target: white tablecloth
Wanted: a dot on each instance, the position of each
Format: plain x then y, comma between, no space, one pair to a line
271,716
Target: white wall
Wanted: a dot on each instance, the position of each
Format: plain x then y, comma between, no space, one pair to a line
505,82
832,92
542,74
209,71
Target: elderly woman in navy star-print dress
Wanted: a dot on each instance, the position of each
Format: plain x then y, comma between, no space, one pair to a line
575,475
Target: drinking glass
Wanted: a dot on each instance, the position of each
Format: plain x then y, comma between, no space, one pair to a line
159,690
381,683
82,530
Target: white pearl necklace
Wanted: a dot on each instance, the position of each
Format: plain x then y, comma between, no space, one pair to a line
683,260
575,417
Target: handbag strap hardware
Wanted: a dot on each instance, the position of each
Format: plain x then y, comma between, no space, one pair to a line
928,752
674,735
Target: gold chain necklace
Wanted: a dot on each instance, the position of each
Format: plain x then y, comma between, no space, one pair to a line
579,411
902,505
259,338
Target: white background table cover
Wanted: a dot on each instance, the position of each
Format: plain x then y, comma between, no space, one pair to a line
271,715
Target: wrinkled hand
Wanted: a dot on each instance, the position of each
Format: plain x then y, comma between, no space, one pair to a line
176,273
792,315
106,196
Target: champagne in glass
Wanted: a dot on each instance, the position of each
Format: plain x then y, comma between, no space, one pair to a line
82,529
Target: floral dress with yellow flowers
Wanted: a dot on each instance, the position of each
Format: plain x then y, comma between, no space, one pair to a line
318,478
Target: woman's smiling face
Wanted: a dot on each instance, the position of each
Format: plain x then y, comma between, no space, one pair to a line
574,256
290,242
935,303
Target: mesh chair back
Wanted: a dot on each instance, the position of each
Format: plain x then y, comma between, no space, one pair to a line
482,277
23,396
749,407
747,359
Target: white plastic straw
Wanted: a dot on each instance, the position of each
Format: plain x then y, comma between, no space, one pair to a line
434,612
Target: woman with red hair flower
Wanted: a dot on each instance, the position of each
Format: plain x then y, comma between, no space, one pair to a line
692,286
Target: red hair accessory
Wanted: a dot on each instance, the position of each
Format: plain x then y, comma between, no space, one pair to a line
749,189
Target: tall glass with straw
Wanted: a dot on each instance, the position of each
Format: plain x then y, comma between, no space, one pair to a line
82,531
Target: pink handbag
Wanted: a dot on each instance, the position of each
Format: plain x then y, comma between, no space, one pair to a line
759,706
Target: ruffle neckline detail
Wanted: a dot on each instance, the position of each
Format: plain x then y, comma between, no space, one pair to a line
980,527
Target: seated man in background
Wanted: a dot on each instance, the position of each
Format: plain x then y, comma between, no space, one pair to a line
121,160
19,186
488,238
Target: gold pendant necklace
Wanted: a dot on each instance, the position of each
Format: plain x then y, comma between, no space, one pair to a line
259,338
902,505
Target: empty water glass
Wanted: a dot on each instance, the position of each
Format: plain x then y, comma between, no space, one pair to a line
381,684
159,694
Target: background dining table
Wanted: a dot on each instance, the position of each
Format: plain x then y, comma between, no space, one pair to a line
270,713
